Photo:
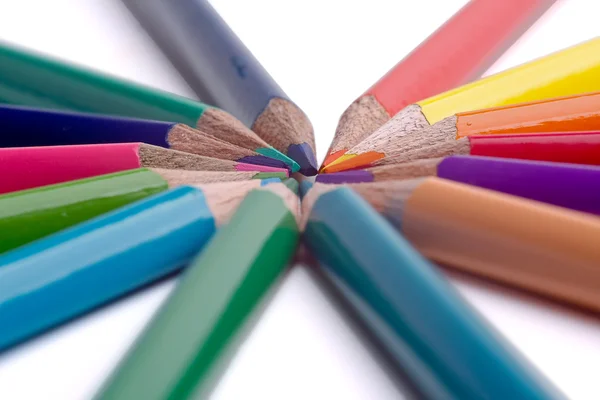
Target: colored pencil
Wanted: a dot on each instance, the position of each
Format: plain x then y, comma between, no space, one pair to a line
561,184
544,249
568,147
33,79
458,52
46,283
194,334
572,113
218,67
32,214
429,332
39,166
25,126
572,71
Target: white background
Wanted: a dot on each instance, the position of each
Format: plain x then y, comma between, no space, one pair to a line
323,54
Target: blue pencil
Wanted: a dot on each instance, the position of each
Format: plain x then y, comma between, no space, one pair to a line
59,277
423,323
220,69
24,127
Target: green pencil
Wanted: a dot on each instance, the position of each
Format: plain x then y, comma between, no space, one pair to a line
37,80
188,343
31,214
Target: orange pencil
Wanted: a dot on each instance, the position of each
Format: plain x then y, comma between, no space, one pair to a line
545,249
563,114
458,52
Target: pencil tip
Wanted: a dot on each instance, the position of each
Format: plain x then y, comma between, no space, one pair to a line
262,160
356,176
304,155
268,175
353,161
331,157
277,155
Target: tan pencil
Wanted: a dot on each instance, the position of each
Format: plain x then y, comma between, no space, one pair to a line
548,250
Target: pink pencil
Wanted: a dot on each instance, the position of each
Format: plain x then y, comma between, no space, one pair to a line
28,167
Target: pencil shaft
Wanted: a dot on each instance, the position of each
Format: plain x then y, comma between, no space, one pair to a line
429,332
177,355
458,52
37,80
214,62
32,214
565,185
25,126
46,283
570,147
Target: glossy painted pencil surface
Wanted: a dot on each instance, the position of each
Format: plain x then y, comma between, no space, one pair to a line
456,53
566,185
32,214
569,72
26,126
57,278
568,147
425,326
194,332
29,167
222,70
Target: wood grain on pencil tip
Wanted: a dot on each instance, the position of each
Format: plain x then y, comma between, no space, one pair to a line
39,166
427,330
573,113
45,283
570,72
36,80
548,250
459,51
194,335
25,126
218,67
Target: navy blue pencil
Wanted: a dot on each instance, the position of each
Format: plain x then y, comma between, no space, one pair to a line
221,70
427,330
25,127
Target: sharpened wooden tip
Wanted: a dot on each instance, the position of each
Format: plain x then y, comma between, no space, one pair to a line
224,198
364,116
158,157
226,127
283,125
178,177
183,138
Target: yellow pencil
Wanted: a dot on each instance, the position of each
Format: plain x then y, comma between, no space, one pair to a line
571,71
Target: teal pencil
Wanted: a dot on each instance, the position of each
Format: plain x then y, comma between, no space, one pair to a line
189,342
427,330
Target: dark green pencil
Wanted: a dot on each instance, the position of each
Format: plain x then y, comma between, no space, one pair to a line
189,342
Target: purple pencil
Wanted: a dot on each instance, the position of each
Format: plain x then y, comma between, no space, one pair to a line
573,186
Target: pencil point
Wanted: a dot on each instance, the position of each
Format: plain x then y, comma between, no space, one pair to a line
353,161
305,157
277,155
356,176
262,160
331,157
269,175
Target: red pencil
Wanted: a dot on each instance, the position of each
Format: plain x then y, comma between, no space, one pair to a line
565,147
458,52
28,167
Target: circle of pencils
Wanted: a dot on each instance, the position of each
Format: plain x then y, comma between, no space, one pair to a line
107,186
